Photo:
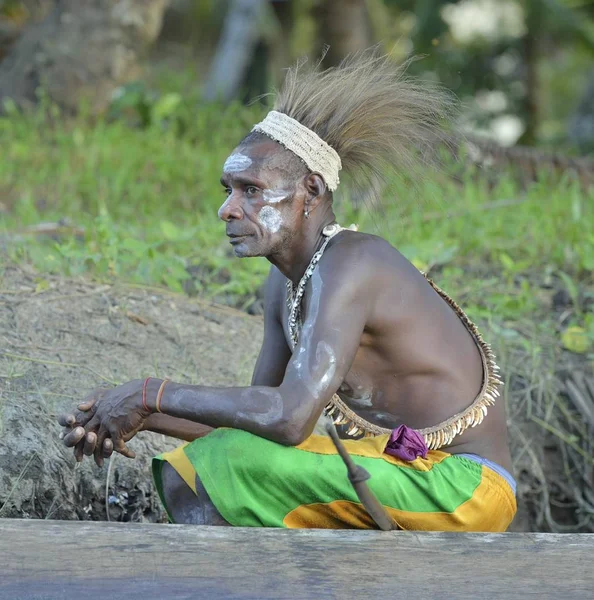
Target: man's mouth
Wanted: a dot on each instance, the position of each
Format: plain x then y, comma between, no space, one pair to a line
236,238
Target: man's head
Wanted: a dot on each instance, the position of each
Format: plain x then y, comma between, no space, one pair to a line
365,117
268,192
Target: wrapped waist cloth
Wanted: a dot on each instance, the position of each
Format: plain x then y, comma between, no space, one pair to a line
259,483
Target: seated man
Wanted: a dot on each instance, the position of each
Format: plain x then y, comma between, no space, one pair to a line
352,332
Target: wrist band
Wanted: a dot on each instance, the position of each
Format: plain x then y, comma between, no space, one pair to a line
160,395
144,404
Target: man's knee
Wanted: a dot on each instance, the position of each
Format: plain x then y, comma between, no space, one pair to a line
184,505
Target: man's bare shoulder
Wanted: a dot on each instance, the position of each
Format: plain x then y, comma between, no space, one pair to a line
364,253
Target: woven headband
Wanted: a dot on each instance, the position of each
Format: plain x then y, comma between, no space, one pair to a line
307,145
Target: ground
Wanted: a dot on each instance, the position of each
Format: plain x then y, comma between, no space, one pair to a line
58,344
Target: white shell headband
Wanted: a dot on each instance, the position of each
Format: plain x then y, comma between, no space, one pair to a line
306,144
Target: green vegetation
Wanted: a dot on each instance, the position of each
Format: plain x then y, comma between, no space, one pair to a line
147,198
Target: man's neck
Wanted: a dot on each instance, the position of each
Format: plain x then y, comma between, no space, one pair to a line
293,259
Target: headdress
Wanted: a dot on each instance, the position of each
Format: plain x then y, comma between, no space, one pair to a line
365,116
305,143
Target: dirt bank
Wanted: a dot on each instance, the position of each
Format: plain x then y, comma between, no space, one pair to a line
58,340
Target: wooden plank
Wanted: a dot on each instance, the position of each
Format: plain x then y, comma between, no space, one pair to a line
57,559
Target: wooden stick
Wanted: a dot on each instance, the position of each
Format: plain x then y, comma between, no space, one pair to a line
358,476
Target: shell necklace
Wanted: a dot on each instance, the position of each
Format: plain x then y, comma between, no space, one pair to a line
295,294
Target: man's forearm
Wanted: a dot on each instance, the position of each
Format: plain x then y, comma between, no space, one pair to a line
182,429
258,409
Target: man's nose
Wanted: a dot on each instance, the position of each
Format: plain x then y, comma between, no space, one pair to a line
231,209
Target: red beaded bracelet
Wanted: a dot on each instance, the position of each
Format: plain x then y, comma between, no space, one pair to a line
144,404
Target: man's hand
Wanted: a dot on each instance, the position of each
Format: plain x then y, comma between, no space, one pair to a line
105,421
74,434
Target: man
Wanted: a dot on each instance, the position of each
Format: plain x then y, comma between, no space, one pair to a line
352,331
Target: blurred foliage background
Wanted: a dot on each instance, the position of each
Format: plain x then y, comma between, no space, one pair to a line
523,69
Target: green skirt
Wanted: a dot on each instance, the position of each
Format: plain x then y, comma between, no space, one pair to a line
254,482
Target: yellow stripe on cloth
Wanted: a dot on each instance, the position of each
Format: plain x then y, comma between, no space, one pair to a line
371,447
482,512
181,463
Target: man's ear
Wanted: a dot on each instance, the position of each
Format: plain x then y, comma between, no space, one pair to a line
316,190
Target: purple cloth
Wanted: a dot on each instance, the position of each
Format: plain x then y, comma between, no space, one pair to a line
407,444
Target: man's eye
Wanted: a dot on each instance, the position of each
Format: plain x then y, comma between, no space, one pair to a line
250,190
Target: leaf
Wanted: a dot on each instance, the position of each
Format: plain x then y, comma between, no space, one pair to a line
446,255
172,283
165,106
507,261
575,339
41,286
170,231
137,247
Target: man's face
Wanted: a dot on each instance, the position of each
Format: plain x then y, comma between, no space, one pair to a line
264,204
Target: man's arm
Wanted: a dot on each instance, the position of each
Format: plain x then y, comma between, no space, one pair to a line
182,429
337,312
343,291
275,353
269,370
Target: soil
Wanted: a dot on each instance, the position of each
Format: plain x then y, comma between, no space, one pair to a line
60,339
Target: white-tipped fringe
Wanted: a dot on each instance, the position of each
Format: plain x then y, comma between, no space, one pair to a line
442,434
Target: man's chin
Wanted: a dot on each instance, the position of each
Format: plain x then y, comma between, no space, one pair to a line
245,250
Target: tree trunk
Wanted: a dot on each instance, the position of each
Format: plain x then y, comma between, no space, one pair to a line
530,46
271,55
241,34
83,50
581,128
345,28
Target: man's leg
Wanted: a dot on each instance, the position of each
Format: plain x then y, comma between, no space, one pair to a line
184,506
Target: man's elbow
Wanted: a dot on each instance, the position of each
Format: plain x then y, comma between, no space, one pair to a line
292,432
297,422
292,436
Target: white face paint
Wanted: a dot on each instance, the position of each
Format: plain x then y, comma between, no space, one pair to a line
270,218
237,162
274,196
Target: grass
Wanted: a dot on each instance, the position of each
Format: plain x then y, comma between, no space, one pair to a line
147,198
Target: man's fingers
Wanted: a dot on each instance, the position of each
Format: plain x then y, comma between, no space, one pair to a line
107,448
74,437
120,446
90,443
87,404
102,453
101,435
93,425
78,450
82,418
91,399
66,420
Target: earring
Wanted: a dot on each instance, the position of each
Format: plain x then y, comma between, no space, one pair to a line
307,214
